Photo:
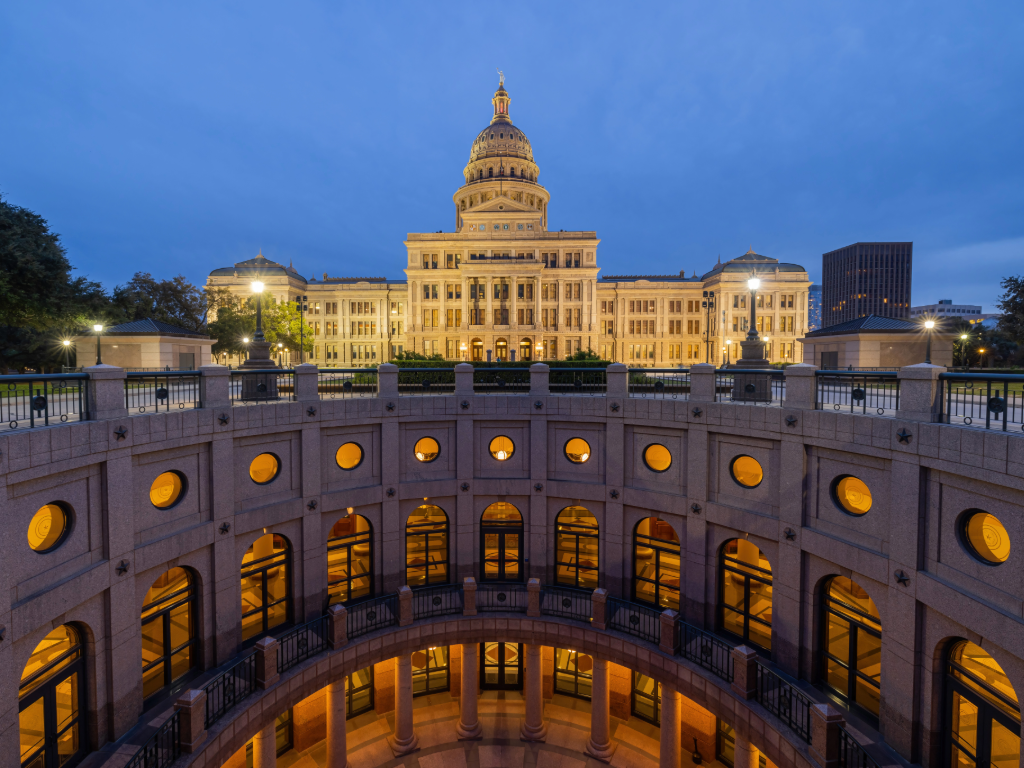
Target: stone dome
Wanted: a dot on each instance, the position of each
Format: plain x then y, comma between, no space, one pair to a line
501,138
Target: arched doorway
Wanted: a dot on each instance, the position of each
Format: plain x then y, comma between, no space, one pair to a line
576,548
745,593
656,563
982,711
478,350
851,645
501,349
349,560
501,543
51,702
426,547
168,632
266,586
526,349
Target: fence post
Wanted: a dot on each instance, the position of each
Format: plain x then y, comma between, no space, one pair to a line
266,662
404,606
192,705
463,379
618,380
387,380
702,383
598,605
533,597
667,640
106,392
744,673
825,725
469,596
337,627
307,380
540,376
214,381
920,393
801,386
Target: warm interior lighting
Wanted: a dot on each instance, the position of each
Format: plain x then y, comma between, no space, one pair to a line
257,286
753,283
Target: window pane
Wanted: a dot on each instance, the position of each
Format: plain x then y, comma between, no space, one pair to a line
67,744
869,655
153,641
252,625
838,638
733,594
180,625
31,728
760,633
252,592
181,662
277,615
732,621
836,677
277,584
867,695
965,723
1005,747
761,600
152,680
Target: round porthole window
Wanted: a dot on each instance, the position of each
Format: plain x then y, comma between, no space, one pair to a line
985,536
577,450
167,490
349,456
746,471
264,468
49,526
502,448
657,457
427,449
851,494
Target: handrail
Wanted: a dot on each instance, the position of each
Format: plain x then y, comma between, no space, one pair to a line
162,748
229,687
782,699
704,649
851,753
16,377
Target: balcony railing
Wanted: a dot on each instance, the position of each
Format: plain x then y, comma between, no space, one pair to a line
784,701
301,643
501,381
857,392
634,619
163,747
566,602
444,600
852,754
154,392
372,614
659,383
426,381
704,649
578,381
38,401
345,383
750,387
261,387
989,400
230,687
501,597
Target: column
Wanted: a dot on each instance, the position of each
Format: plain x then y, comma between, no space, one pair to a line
337,735
536,309
489,320
533,727
513,318
404,739
465,308
671,733
264,748
744,753
600,744
469,722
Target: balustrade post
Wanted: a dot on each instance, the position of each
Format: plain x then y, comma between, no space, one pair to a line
598,604
540,375
702,383
463,380
744,676
667,639
825,725
801,387
337,627
214,385
617,380
266,662
307,381
533,597
106,392
920,392
192,706
404,606
469,596
387,380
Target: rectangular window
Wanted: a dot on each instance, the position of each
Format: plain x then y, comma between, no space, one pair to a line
568,290
577,288
568,317
529,291
454,291
544,291
576,315
521,291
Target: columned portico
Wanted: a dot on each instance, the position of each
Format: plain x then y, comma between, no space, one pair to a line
404,739
600,744
533,728
469,720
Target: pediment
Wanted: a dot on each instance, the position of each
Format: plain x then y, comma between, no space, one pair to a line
500,205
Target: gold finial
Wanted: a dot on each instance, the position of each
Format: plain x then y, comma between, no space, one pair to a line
501,78
751,250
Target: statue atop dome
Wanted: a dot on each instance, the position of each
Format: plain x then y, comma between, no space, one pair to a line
501,78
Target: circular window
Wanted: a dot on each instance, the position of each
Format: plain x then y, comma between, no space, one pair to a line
746,471
167,490
851,494
264,468
502,448
49,526
427,449
349,456
657,457
577,450
985,536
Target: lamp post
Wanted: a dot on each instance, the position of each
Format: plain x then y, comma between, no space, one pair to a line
767,349
300,304
98,327
462,348
928,326
752,347
728,352
540,349
708,304
67,345
963,349
280,352
259,349
245,340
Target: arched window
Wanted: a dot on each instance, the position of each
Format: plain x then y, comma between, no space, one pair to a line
490,172
501,543
349,560
745,593
168,631
983,714
656,563
51,702
852,640
266,586
426,547
576,548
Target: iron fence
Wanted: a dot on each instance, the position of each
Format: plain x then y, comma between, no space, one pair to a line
161,391
634,619
501,381
259,387
41,400
443,600
660,383
750,387
163,747
372,614
426,381
857,392
230,687
578,381
501,597
852,754
784,701
302,643
705,650
567,602
343,383
991,400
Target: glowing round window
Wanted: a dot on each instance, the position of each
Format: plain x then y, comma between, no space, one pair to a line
167,490
577,450
746,471
427,449
851,494
502,448
48,527
264,468
657,457
985,536
349,456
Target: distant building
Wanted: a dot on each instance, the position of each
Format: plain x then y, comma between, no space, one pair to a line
814,307
866,279
875,342
946,308
147,345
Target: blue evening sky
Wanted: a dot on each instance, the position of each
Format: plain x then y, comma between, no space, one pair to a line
181,137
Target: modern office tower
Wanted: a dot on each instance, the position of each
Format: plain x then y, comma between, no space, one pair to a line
866,279
814,307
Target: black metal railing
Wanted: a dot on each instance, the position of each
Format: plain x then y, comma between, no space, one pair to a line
501,597
856,392
426,381
501,381
39,401
259,387
991,400
372,614
704,649
578,381
443,600
163,747
302,642
784,701
567,602
229,687
852,754
342,383
750,387
660,383
154,392
634,619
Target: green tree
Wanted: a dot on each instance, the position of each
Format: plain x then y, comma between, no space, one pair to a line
175,301
410,355
1011,322
583,356
236,320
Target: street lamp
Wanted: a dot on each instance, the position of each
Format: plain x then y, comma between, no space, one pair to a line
767,353
245,340
462,348
540,348
257,288
728,352
752,346
280,352
708,305
928,325
98,327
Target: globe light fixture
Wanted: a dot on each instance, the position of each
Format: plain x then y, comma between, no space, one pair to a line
752,346
98,327
754,283
928,325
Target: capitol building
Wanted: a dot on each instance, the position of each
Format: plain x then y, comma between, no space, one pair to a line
504,285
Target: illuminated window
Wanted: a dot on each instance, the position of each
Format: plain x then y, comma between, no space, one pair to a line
573,673
49,526
266,586
576,548
656,563
645,699
51,701
745,593
501,543
502,448
746,471
167,490
657,457
577,450
264,468
430,671
349,456
985,537
982,711
851,494
852,652
501,666
426,449
426,547
359,692
168,631
349,560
